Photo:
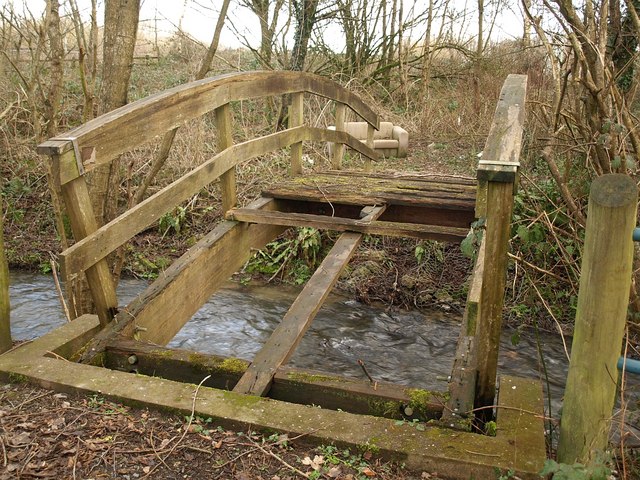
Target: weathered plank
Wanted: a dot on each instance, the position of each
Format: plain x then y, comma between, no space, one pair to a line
371,189
462,383
289,384
375,227
296,119
287,335
5,311
224,129
167,304
104,138
489,316
338,149
501,154
601,315
83,223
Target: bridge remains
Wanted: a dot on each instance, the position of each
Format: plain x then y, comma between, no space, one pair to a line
120,352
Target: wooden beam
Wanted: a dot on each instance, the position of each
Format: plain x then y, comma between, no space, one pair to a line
603,300
296,119
83,223
289,384
5,310
375,227
285,338
158,313
224,128
125,128
287,335
367,160
338,149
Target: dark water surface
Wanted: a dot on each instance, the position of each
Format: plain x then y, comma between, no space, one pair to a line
407,347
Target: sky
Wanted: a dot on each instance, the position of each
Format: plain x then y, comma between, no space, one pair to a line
198,19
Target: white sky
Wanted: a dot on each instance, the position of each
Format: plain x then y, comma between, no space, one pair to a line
199,18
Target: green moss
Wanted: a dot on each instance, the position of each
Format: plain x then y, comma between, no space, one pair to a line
17,378
233,365
389,409
309,378
240,401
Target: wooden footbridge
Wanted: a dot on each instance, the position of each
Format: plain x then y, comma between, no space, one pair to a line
119,352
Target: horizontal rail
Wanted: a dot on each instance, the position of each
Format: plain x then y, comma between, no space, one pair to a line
96,246
101,140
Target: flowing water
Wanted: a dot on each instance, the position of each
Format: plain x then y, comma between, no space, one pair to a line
407,347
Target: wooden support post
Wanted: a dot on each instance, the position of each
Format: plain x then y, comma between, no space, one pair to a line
338,150
603,300
296,119
489,318
367,160
83,223
225,140
5,310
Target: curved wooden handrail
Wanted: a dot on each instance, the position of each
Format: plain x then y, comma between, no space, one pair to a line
102,139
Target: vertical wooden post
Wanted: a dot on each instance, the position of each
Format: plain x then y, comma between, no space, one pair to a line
367,160
225,140
83,222
296,119
5,309
489,320
603,300
338,148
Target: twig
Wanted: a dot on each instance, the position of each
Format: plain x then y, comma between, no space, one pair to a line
538,269
280,459
484,454
4,452
186,430
56,281
364,369
75,459
234,459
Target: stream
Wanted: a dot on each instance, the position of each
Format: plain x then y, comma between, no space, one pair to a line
406,347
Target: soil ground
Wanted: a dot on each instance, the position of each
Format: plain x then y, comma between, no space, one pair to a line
44,434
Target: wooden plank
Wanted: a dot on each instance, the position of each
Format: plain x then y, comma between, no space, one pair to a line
139,122
501,154
156,315
370,189
377,227
603,300
324,135
287,335
83,223
5,311
296,119
224,127
367,161
338,148
289,384
489,320
106,239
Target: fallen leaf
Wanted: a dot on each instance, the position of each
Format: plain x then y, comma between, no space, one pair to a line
334,472
218,444
368,472
146,470
164,443
316,463
367,455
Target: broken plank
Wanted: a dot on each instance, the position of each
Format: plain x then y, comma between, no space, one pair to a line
374,227
285,338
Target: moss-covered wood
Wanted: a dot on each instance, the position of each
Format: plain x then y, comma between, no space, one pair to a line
5,310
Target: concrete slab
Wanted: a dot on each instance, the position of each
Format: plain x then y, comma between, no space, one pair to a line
518,445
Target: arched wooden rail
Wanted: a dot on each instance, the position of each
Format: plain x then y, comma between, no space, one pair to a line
101,140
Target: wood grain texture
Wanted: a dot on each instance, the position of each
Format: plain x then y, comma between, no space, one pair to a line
287,335
501,154
296,119
338,149
356,188
224,128
5,310
376,227
601,314
139,122
83,223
